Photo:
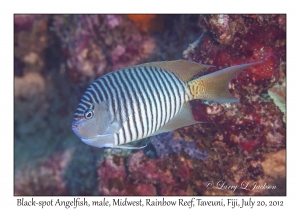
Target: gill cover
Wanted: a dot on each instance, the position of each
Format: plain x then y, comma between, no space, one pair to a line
90,127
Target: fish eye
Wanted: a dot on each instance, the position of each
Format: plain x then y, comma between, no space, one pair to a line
89,114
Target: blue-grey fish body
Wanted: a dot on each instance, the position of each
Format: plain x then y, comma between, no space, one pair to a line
144,100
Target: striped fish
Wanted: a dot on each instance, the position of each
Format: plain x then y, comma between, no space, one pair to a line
144,100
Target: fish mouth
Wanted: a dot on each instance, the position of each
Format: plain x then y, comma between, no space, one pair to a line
74,124
76,130
75,127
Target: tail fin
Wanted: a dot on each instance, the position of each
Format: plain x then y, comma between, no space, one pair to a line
214,86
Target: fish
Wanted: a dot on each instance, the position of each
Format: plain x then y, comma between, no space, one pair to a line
147,99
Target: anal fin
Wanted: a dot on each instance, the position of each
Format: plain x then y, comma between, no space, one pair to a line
182,119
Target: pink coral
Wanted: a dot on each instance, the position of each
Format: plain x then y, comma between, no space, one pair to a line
24,22
145,189
117,52
97,44
112,176
113,20
115,181
219,25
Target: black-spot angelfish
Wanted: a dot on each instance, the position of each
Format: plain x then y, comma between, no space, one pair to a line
144,100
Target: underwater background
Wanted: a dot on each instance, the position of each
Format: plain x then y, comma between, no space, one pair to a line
56,57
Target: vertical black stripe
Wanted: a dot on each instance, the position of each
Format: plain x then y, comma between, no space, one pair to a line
85,97
102,89
162,92
148,81
110,99
169,95
141,95
126,76
155,85
85,104
85,101
120,87
91,95
98,90
181,90
173,101
115,98
185,96
146,93
94,91
173,81
111,94
82,106
129,104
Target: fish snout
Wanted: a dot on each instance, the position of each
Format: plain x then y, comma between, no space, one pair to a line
74,125
76,128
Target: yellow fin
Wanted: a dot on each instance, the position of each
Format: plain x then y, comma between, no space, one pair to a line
183,69
214,86
182,119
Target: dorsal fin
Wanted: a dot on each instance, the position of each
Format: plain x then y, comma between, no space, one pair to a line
183,69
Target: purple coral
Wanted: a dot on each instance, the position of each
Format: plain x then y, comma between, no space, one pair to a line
165,144
24,22
96,44
114,20
191,149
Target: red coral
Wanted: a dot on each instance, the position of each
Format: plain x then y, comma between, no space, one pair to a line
253,40
112,175
145,189
140,166
199,110
184,170
247,145
145,176
114,180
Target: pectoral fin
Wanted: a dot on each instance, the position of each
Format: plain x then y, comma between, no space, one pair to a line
118,121
113,128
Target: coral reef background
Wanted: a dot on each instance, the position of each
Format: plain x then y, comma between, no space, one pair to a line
57,56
